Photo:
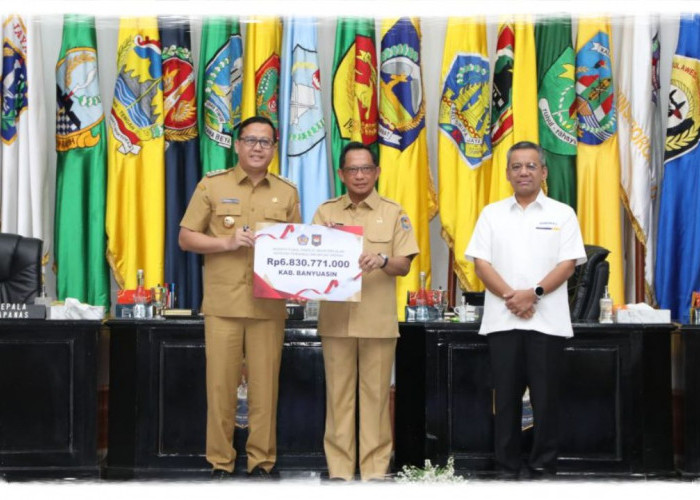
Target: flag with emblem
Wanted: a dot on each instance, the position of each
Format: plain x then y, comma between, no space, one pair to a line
81,168
184,269
639,126
556,96
514,99
261,73
403,152
677,263
598,160
25,197
464,138
354,98
219,91
303,156
135,217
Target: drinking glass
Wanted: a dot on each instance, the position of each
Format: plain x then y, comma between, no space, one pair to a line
157,298
440,302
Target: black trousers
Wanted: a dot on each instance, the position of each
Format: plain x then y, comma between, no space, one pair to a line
520,359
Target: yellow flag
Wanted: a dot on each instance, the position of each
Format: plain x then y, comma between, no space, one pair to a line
261,73
525,82
403,151
464,138
514,113
598,162
135,218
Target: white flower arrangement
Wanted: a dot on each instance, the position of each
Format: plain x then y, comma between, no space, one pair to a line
429,473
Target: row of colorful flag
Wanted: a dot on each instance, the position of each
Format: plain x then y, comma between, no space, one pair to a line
167,128
131,177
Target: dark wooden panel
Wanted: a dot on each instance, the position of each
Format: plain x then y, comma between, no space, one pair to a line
301,410
412,437
302,401
37,390
181,396
171,430
690,407
48,398
590,403
469,398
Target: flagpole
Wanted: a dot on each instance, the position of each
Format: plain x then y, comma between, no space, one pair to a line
451,280
639,279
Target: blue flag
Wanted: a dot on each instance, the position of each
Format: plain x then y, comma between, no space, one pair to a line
303,157
678,239
182,170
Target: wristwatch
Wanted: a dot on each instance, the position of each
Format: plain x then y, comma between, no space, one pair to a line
386,260
539,291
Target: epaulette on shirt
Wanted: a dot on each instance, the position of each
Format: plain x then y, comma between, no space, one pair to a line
388,200
283,179
332,200
220,171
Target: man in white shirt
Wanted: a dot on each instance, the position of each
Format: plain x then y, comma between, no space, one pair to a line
524,249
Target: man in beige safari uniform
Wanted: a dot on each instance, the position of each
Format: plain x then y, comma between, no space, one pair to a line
359,338
219,223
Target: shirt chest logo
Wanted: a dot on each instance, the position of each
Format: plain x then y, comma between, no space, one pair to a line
547,226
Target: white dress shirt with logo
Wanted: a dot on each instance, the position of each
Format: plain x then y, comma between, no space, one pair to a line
523,246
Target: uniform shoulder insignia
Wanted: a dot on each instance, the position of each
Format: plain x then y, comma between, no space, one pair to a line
284,179
220,171
331,200
392,202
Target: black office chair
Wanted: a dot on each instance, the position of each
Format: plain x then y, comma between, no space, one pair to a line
587,285
20,268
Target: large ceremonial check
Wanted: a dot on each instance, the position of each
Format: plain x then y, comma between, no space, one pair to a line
306,261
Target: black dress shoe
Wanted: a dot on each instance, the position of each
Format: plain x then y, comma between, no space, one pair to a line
263,475
541,473
220,474
504,474
325,478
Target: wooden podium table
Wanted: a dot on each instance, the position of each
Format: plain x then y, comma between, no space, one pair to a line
615,414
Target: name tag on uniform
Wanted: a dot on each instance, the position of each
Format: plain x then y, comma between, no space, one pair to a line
230,200
547,226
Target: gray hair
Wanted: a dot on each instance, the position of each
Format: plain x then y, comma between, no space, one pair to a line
527,145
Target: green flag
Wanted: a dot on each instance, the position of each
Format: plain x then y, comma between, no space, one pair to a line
81,168
556,97
219,92
355,115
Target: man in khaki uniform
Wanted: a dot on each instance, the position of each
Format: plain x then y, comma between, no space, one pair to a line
219,223
360,338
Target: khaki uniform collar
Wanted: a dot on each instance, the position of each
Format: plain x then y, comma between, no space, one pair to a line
240,175
372,200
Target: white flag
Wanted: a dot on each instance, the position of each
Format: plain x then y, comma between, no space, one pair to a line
639,128
25,194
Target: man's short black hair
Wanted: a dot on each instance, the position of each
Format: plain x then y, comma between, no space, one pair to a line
527,145
257,119
351,146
